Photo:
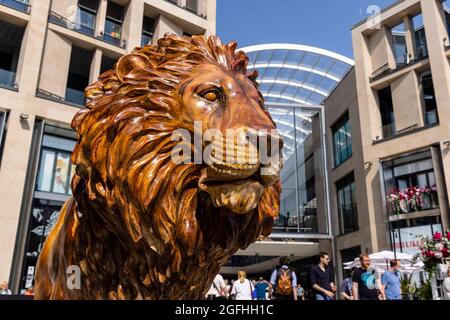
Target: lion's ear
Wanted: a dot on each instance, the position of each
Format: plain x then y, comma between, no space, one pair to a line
130,62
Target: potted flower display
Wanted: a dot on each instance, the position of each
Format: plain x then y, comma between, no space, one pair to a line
412,199
434,250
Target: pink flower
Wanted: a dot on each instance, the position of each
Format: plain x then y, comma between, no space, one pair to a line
437,236
448,235
438,255
429,254
445,253
439,246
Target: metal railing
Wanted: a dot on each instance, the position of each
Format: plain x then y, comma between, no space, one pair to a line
75,96
66,23
20,5
7,78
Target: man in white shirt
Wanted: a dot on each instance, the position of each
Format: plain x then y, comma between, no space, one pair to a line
218,289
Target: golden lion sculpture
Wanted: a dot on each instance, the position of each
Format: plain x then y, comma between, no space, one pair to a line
139,225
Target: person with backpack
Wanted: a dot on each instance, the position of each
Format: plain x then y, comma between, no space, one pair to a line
284,281
322,278
218,290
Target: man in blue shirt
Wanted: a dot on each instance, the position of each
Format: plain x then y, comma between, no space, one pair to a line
391,281
260,288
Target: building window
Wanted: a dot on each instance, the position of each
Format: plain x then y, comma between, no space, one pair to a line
405,233
387,112
192,5
107,63
113,24
348,217
419,34
446,6
11,41
399,42
148,29
55,170
410,184
342,140
78,78
2,130
86,15
21,5
429,98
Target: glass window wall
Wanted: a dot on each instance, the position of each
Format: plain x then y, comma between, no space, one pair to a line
303,197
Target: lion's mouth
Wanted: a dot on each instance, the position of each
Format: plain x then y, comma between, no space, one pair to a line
238,184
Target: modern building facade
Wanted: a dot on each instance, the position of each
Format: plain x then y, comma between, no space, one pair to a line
387,124
367,164
49,51
295,80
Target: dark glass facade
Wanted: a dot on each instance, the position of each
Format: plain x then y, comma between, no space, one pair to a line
348,216
387,112
342,140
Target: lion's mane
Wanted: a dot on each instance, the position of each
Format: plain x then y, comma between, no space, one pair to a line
138,225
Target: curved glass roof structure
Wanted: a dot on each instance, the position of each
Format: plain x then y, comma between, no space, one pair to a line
292,75
297,73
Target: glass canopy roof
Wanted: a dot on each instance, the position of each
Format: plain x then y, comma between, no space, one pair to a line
293,77
296,73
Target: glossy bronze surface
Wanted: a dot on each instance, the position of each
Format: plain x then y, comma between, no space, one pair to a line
139,225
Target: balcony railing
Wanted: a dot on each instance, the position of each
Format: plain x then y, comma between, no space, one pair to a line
20,5
146,39
190,8
111,39
75,96
64,22
7,78
305,223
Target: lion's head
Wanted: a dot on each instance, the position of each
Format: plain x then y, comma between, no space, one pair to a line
171,225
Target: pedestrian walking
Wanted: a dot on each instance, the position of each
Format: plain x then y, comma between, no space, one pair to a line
261,287
242,288
364,281
322,278
284,281
218,289
346,286
391,281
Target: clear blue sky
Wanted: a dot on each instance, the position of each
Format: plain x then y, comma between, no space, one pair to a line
320,23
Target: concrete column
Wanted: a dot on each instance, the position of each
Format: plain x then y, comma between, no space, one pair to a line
132,27
12,175
436,31
101,17
370,120
163,26
55,64
407,102
32,46
65,8
390,57
96,65
211,16
410,38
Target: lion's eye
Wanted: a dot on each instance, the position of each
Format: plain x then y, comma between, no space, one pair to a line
211,95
